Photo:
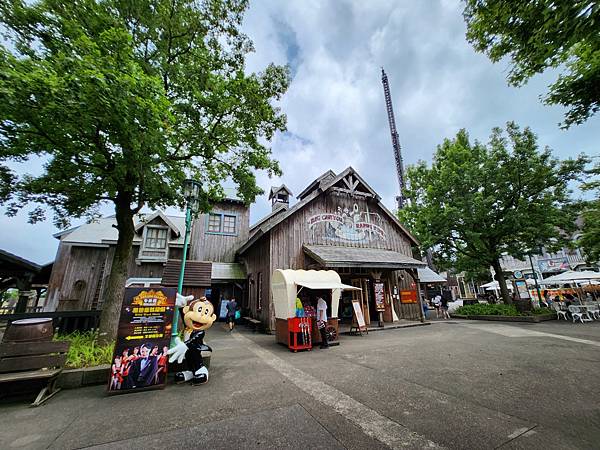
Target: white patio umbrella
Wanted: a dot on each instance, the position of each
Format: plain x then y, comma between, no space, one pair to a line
571,276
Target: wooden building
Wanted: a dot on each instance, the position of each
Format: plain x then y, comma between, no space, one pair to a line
338,223
85,255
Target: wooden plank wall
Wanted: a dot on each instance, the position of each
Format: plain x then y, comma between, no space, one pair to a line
217,247
257,260
289,236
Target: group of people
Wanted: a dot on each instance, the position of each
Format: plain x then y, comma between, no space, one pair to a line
141,367
440,304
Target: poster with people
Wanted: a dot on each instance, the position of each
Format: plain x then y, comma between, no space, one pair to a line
140,358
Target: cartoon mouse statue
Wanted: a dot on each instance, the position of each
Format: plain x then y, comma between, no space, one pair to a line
198,316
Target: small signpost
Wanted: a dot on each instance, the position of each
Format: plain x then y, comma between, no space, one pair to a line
359,319
379,296
140,356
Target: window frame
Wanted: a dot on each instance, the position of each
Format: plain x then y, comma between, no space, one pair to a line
158,228
222,216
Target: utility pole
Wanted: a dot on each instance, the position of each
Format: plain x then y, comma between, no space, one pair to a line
395,139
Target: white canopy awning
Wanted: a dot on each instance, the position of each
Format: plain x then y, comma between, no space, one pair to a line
326,285
571,275
285,282
426,275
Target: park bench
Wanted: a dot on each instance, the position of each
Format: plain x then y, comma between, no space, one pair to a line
253,323
32,365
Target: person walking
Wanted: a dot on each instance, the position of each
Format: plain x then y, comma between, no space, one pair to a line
444,303
437,302
231,309
322,321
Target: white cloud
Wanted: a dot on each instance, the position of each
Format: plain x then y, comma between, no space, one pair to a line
335,105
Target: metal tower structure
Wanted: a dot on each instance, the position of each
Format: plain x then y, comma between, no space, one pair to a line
395,138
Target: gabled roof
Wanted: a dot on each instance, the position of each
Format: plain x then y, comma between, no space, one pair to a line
275,218
276,190
158,213
10,260
101,232
327,176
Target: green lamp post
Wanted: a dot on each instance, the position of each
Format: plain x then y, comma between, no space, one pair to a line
191,193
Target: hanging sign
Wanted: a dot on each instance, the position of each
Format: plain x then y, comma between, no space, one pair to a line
140,357
358,315
379,296
408,296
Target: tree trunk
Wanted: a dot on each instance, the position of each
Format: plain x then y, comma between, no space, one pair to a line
113,294
501,282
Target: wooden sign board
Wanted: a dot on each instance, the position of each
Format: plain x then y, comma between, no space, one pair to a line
140,361
379,296
358,315
408,296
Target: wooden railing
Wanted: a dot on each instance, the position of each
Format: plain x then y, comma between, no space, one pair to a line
62,321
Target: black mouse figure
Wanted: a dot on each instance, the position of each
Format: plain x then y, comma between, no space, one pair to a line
198,316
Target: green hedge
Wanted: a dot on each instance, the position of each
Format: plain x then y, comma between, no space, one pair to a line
483,309
84,351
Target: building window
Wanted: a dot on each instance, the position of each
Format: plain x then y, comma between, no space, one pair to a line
214,223
156,238
221,224
229,224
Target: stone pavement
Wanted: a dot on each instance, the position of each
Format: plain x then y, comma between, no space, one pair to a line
453,384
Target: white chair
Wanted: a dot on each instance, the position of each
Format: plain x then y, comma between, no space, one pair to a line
593,310
559,312
576,313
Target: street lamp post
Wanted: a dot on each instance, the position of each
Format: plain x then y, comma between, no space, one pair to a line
191,193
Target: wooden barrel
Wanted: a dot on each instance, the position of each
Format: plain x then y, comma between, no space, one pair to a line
29,330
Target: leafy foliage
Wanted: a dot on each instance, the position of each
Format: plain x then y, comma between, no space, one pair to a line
541,34
123,101
85,351
590,237
483,309
478,201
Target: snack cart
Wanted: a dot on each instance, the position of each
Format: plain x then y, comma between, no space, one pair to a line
299,333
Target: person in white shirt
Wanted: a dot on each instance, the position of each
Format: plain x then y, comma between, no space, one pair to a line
437,302
322,321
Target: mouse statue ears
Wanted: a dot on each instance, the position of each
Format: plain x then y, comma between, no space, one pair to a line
181,300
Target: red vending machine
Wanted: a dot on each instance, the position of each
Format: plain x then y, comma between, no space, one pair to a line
299,329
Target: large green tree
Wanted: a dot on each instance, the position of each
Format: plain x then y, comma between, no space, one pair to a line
477,201
123,100
539,34
590,233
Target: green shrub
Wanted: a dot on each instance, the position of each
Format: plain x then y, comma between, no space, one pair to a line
483,309
84,351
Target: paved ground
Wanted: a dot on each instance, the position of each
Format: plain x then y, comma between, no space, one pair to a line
453,384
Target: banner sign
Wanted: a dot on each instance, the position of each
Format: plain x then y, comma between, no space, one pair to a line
379,296
349,225
408,296
553,264
140,357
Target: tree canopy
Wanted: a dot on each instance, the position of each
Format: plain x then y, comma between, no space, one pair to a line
541,34
477,200
590,236
126,99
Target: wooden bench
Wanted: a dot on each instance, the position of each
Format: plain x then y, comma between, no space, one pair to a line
253,323
33,363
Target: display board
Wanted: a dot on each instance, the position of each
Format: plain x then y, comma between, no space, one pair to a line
379,296
408,296
522,289
140,360
358,315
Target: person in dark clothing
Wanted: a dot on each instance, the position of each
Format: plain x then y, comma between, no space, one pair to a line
143,370
446,297
231,309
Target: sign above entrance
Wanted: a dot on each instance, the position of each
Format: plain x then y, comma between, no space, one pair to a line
408,296
348,225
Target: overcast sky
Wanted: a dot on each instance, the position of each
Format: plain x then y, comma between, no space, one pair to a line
335,106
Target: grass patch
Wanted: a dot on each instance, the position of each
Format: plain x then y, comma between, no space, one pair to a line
84,351
483,309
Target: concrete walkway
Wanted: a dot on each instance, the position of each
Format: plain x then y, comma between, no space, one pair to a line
454,384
